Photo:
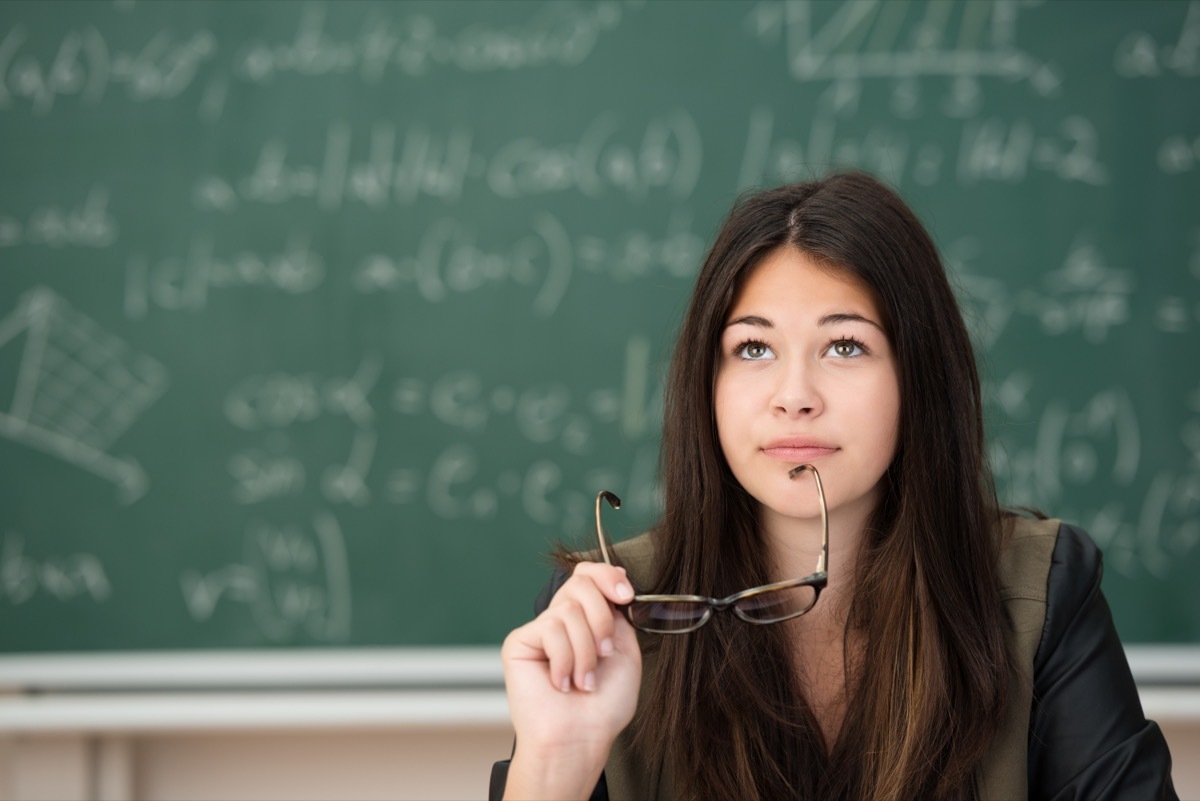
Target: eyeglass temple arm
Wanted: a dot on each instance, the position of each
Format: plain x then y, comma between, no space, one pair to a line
614,502
795,471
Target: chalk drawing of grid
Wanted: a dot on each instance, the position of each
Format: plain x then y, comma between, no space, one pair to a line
78,389
900,38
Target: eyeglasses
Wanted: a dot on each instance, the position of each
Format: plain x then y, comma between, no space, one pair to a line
770,603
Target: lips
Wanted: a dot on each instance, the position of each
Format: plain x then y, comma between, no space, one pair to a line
798,450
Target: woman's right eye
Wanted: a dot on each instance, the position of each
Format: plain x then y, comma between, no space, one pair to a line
754,351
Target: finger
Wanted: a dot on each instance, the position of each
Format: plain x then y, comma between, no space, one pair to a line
583,646
525,644
544,640
601,618
583,592
555,643
613,582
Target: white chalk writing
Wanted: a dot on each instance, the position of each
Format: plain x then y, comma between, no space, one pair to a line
79,576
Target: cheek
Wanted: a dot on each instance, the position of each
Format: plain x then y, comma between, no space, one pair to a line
875,416
888,430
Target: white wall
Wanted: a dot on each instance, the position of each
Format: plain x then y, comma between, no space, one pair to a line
412,764
429,764
404,763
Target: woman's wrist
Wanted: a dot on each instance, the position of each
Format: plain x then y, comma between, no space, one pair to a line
557,771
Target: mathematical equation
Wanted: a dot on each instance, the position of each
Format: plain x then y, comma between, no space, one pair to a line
607,156
25,577
1099,443
84,65
991,149
294,578
448,261
558,420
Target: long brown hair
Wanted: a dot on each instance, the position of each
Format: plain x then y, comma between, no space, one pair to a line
723,704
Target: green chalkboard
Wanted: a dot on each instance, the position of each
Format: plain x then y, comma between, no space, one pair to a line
319,322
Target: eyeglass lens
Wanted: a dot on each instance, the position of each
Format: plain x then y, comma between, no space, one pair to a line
775,605
668,616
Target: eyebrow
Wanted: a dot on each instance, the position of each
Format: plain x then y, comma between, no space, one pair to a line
848,317
828,319
751,319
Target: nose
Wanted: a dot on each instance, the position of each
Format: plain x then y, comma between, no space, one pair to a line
796,393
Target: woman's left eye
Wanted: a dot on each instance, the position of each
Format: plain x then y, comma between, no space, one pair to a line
846,348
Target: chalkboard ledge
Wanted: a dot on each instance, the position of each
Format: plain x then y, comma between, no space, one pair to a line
223,710
343,668
209,710
1164,665
466,667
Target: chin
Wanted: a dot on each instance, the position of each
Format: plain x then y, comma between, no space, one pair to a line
791,506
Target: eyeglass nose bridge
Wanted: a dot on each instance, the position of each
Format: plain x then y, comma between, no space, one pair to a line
732,604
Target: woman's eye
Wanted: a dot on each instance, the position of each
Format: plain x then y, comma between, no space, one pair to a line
755,351
846,348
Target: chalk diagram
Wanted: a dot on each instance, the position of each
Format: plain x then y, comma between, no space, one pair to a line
876,39
78,389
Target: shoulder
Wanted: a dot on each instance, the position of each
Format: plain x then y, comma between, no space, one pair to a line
1080,748
1076,569
1048,560
1049,571
1077,614
1026,555
1026,550
1073,598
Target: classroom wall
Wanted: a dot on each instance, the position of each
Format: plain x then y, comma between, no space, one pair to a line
395,764
426,762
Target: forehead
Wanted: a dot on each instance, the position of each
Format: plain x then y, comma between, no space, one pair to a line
790,280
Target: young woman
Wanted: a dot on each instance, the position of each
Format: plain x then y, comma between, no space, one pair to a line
946,650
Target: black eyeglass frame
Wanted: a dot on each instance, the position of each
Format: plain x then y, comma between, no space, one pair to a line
817,580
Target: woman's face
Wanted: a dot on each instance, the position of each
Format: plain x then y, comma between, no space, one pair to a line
806,374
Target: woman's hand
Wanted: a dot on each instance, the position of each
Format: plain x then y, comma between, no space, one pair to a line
572,677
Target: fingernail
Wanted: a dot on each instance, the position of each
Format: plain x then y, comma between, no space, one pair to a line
606,647
566,684
589,682
624,593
